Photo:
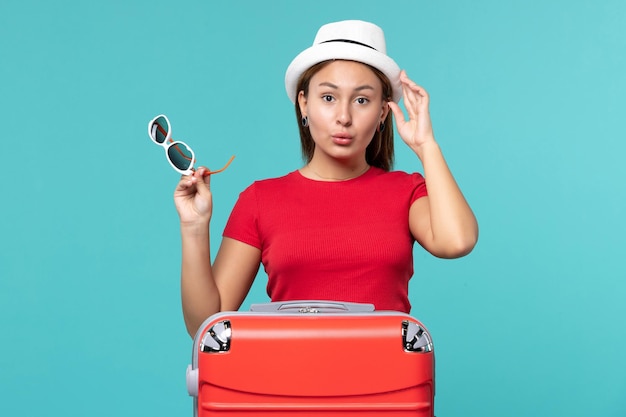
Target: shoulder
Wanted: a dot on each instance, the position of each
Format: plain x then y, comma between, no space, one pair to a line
412,185
401,178
269,187
276,183
261,195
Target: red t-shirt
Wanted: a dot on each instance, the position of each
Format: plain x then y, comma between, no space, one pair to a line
343,241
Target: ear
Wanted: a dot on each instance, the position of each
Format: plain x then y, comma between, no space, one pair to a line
302,101
384,111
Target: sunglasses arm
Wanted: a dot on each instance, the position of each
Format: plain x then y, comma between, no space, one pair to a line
208,172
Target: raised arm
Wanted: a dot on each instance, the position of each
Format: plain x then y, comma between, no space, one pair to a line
209,288
443,222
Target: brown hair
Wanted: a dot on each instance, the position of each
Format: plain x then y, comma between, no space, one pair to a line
379,152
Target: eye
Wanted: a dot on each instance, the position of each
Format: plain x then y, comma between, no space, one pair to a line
327,98
362,100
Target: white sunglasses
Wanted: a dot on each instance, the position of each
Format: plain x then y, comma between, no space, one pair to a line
180,156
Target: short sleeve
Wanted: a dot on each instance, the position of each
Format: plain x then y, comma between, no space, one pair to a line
419,187
242,224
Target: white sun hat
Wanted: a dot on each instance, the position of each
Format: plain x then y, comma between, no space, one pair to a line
352,40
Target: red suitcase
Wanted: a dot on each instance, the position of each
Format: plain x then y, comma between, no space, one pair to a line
312,358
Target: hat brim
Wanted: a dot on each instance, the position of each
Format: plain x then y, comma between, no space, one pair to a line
343,51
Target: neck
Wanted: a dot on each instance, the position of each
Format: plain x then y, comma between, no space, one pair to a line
343,174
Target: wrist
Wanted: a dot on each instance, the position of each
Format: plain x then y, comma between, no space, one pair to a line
423,149
194,229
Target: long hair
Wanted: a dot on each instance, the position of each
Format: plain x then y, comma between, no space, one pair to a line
379,152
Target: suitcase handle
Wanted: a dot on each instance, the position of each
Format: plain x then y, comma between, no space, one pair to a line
312,306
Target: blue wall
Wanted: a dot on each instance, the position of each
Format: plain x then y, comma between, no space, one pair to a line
527,103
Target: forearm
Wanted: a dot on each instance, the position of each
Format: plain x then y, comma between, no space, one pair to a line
452,222
200,295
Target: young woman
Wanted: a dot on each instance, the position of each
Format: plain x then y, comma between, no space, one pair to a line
343,226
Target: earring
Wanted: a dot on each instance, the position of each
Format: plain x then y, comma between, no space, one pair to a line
305,121
381,127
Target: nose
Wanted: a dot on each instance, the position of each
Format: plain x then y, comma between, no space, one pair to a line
344,115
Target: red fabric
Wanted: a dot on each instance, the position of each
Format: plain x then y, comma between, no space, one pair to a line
343,241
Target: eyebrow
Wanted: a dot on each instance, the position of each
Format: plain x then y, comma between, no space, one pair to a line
359,88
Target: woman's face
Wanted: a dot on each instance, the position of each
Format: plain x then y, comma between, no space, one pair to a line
344,107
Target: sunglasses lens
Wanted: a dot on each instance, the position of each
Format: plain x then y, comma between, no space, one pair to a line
160,128
180,155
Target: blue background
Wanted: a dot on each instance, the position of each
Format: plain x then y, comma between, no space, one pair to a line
527,104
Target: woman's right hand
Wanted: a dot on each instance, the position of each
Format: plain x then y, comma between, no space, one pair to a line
193,198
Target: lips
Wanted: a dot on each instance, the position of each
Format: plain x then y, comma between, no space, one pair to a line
342,138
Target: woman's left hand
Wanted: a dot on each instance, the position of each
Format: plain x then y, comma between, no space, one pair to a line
417,130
